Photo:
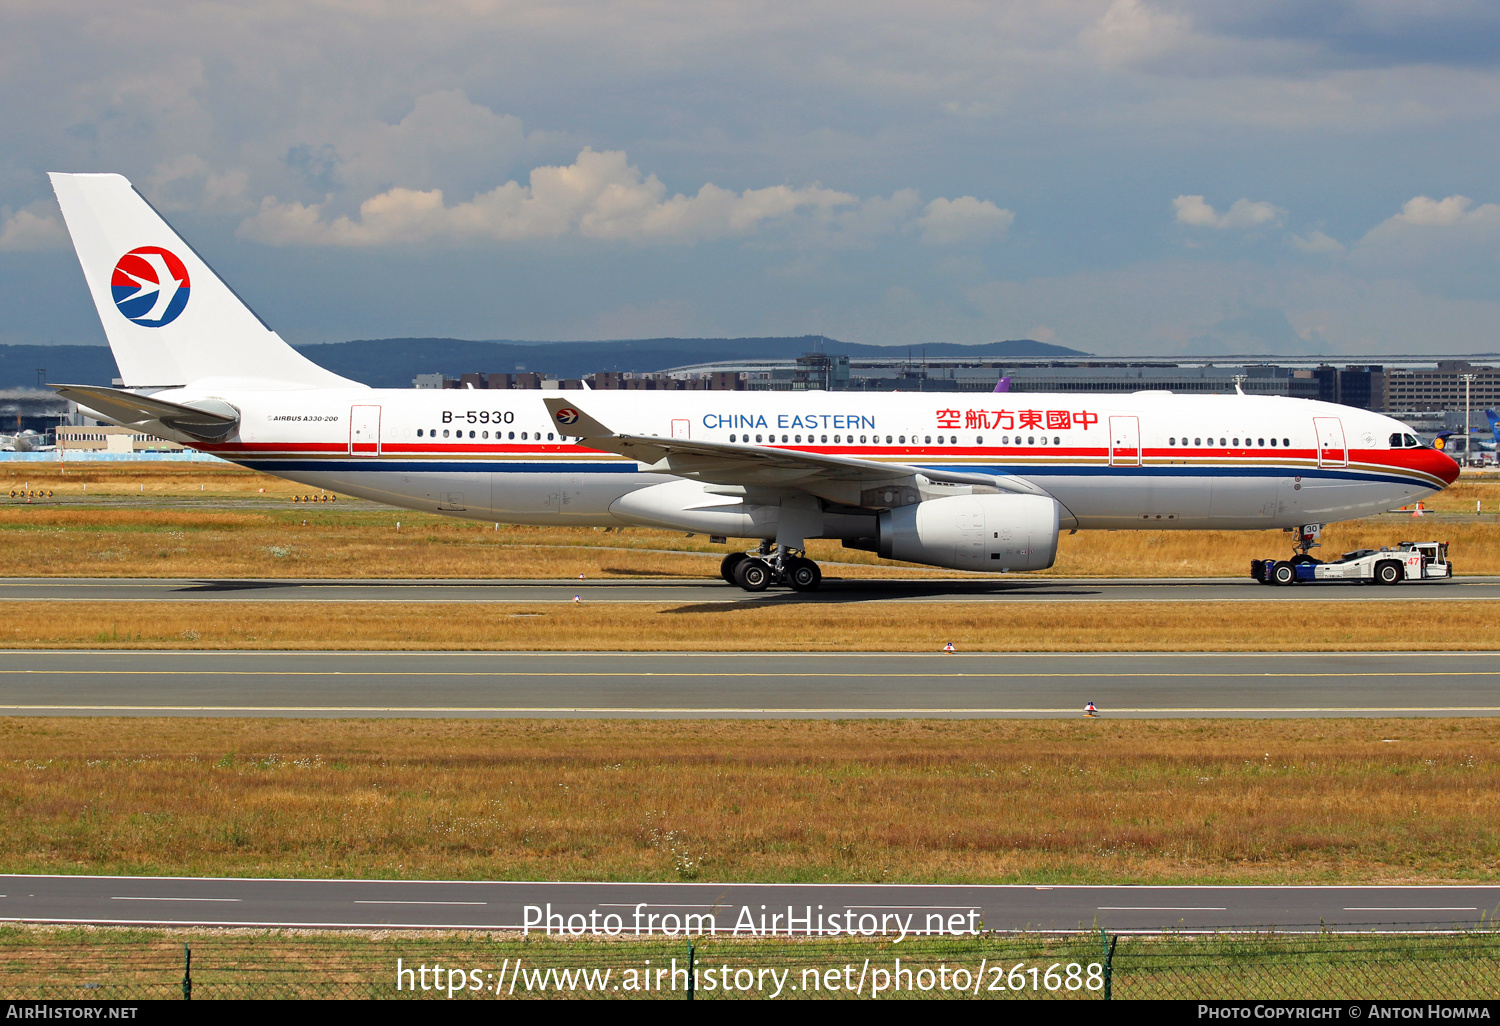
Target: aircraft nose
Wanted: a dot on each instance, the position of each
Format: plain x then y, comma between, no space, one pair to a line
1445,467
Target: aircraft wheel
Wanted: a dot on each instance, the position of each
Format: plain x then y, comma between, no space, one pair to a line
804,575
1284,573
1388,573
752,574
726,568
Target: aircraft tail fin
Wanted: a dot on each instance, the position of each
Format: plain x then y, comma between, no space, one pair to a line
169,318
1494,420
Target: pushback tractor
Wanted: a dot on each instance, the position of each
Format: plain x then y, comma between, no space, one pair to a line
1407,561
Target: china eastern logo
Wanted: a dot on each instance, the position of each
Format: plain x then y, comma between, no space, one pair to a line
150,286
567,416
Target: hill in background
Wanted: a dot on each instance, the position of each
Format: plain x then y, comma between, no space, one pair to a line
393,362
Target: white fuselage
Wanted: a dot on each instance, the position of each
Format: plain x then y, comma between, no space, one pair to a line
1141,460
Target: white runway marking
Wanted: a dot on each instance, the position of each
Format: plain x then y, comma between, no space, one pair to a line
1410,908
129,898
372,901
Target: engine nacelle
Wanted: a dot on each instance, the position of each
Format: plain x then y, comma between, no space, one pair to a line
1007,531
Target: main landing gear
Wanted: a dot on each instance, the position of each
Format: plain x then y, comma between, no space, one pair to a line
757,571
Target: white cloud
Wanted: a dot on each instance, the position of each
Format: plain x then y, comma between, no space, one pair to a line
946,222
1243,213
34,227
1130,32
602,196
1450,212
1317,241
187,182
1447,233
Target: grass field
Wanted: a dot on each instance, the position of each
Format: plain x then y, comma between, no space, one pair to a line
788,625
1284,801
131,964
327,540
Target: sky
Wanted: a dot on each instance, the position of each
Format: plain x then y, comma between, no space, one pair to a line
1125,177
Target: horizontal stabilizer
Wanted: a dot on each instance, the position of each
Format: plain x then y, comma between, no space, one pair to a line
204,419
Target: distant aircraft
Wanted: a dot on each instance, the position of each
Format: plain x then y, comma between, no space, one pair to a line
1455,442
26,441
963,481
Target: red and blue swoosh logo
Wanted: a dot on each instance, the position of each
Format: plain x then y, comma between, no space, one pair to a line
150,286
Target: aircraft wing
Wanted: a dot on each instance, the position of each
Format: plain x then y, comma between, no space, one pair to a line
207,419
843,479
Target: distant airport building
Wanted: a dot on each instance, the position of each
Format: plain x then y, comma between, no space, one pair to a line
1426,391
107,438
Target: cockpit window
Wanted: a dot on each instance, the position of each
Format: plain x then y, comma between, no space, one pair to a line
1401,440
1398,441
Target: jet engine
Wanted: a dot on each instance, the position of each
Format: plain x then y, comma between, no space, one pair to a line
1007,531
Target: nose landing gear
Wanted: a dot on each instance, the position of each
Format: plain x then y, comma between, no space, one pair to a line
757,571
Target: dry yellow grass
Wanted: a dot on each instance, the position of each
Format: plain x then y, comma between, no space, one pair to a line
1097,801
331,541
52,541
790,626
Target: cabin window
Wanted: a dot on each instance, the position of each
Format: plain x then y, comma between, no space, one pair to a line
512,435
1286,441
1031,439
731,438
825,439
1222,442
1260,442
926,439
484,434
978,439
1273,443
1171,441
1057,440
1197,441
1044,439
419,433
757,438
445,432
549,435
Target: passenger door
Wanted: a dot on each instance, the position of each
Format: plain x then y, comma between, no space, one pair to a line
364,431
1124,442
1332,451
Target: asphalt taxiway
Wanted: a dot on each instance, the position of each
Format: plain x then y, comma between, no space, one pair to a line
410,904
749,685
658,591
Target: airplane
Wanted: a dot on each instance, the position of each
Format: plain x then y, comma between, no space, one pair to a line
975,482
1456,442
24,441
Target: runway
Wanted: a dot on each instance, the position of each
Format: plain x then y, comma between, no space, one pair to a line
1013,589
747,685
878,907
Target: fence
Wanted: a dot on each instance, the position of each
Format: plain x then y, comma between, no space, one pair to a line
118,964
